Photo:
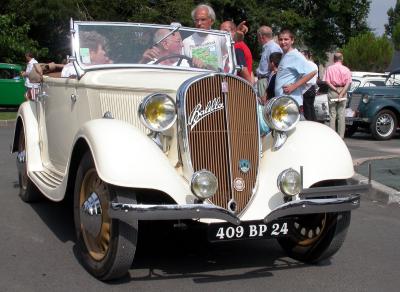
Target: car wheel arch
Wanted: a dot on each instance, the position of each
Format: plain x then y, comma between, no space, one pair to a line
148,196
18,126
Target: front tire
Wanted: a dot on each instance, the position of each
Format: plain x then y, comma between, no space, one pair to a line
106,246
318,236
28,192
384,125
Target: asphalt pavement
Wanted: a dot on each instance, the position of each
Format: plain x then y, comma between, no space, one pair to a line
385,175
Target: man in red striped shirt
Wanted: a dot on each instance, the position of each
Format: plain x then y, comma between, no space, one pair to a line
338,78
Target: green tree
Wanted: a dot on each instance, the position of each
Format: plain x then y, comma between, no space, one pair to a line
393,18
396,36
367,52
14,41
318,24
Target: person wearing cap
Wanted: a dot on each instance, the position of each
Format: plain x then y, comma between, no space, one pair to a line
167,44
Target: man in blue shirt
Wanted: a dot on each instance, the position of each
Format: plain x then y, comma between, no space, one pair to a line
266,40
293,71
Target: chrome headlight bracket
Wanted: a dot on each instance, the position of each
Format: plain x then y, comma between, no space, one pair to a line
279,139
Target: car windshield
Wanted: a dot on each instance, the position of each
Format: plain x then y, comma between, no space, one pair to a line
354,84
98,44
393,79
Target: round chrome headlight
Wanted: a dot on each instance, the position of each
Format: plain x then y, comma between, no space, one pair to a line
365,98
204,184
158,112
282,113
289,182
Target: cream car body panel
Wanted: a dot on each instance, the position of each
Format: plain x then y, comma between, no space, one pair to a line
311,156
125,156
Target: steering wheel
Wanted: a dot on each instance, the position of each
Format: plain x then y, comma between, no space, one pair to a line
176,56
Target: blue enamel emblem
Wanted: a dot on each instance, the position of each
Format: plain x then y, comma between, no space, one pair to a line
244,165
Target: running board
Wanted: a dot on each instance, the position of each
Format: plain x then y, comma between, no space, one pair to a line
49,178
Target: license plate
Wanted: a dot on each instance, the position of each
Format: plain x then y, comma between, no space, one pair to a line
349,122
248,230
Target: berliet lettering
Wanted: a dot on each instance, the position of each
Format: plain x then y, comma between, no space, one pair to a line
198,114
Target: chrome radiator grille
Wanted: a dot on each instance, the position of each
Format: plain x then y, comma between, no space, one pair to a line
354,101
221,132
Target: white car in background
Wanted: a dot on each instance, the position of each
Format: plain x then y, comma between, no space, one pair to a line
359,79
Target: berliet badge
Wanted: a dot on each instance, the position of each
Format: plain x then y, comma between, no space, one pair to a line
198,113
244,165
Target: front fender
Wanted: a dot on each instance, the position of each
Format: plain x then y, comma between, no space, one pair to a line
28,120
377,104
316,147
125,156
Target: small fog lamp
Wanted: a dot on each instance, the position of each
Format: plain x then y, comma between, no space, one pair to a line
289,182
204,184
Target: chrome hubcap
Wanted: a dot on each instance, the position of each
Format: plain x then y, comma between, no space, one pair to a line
91,214
384,124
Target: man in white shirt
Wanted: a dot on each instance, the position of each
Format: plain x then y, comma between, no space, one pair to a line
167,45
207,51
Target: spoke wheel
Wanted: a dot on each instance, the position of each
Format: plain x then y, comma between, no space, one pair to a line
106,246
384,124
317,236
28,192
98,245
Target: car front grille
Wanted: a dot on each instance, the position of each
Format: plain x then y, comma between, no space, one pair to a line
355,100
219,127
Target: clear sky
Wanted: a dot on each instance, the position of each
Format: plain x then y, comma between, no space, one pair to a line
378,15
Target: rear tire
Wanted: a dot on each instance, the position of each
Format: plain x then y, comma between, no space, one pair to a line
106,246
384,125
28,192
319,236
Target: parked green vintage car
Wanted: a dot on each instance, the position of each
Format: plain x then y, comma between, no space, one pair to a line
12,87
375,109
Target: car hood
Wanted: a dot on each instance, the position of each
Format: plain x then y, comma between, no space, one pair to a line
379,90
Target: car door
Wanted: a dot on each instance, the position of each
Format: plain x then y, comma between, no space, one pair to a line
57,112
12,87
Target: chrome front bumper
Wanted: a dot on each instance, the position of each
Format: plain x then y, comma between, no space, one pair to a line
312,201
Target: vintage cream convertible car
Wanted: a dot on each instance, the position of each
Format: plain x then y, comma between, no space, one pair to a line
129,141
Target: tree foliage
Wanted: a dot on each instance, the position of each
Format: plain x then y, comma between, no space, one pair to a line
396,36
367,52
319,25
14,40
393,18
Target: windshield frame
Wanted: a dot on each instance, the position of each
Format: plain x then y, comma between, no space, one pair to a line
82,68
